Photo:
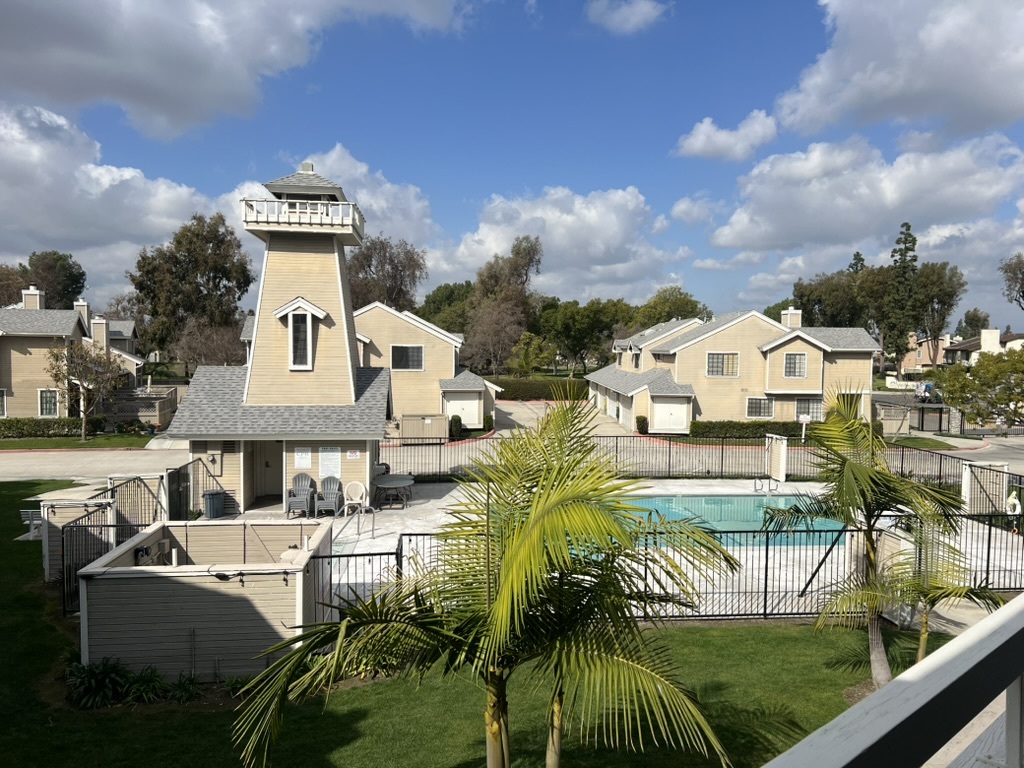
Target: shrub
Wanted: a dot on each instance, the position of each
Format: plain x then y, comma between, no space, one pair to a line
455,427
641,425
64,427
185,689
100,684
540,389
488,422
146,687
235,686
754,429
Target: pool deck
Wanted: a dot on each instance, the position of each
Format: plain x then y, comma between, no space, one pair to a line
427,510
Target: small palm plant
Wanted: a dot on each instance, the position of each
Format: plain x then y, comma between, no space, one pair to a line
543,566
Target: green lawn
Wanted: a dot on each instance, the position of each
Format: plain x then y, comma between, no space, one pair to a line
94,442
747,673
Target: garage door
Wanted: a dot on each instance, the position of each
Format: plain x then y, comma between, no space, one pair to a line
670,414
465,405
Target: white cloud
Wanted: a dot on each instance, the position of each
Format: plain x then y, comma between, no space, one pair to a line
625,17
661,224
835,193
692,210
958,61
708,140
171,65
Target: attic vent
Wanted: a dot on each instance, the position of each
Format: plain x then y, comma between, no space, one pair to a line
229,446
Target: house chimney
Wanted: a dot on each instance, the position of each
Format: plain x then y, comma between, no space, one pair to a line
33,298
100,332
306,167
792,318
990,341
82,307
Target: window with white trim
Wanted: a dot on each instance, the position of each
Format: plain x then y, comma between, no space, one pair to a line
47,403
636,359
810,406
407,358
760,408
795,366
300,332
723,363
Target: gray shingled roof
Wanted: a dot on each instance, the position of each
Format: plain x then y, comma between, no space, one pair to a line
843,339
649,334
697,333
973,344
40,322
247,328
464,381
121,328
658,381
212,409
305,182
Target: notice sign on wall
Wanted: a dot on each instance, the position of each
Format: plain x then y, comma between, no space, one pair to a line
303,458
352,454
330,461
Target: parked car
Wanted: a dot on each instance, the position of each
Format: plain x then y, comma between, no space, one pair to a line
927,392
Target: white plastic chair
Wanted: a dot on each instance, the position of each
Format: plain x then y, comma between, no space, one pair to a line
357,503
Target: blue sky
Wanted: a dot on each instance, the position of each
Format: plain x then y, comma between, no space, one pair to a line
728,147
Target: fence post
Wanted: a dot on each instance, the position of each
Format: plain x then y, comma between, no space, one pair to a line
721,457
767,552
669,468
398,558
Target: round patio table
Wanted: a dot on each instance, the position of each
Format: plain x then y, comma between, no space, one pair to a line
392,488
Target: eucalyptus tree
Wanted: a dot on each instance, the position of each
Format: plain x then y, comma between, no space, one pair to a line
862,493
544,566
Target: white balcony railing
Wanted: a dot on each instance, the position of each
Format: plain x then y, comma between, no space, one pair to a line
914,716
302,213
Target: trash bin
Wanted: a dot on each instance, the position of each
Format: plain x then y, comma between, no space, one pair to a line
213,504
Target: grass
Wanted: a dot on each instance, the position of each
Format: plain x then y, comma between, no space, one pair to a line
94,442
749,674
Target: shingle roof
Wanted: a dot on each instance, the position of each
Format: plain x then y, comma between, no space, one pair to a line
213,409
697,333
39,322
843,339
649,334
658,381
121,328
973,344
247,328
464,381
305,182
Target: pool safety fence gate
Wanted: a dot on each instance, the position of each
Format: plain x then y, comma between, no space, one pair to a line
787,574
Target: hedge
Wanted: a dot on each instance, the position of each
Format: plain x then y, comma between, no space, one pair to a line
753,429
539,389
66,427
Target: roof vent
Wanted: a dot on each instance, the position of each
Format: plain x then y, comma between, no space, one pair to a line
306,167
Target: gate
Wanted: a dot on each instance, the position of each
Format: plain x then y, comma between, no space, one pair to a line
179,493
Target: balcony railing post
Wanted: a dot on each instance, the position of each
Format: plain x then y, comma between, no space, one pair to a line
1014,724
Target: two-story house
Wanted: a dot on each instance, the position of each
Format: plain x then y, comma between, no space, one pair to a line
302,403
967,351
923,350
426,379
740,366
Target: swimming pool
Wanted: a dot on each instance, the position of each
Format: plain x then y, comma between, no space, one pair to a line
733,513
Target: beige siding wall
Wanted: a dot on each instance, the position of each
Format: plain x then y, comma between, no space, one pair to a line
356,468
167,621
305,266
848,371
412,392
54,520
725,398
23,374
776,364
207,543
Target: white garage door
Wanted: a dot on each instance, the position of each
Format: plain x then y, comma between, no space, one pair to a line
465,405
670,414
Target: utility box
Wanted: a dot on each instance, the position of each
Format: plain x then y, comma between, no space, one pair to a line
425,428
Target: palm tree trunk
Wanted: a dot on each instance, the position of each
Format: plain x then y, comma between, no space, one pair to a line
554,753
496,721
922,641
880,670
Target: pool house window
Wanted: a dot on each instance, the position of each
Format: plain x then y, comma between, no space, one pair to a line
300,316
795,365
723,363
760,408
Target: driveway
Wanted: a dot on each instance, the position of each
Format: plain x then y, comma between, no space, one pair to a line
87,465
512,414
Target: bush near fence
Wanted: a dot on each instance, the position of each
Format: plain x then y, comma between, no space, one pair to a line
753,429
64,427
540,389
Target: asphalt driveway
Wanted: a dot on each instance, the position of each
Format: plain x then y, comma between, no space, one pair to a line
511,414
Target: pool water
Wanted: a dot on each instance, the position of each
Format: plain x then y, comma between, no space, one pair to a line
727,513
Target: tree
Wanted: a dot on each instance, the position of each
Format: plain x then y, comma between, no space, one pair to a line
861,491
56,273
447,306
529,354
125,306
901,315
11,285
540,563
202,272
84,372
202,344
774,311
669,303
385,271
938,290
972,324
829,300
495,329
1012,270
993,388
575,330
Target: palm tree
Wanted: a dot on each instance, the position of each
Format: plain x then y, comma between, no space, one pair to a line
543,565
861,492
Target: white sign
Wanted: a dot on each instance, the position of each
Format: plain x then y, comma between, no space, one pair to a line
330,461
352,454
303,458
805,418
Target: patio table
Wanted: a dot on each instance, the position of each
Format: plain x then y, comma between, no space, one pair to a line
392,486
